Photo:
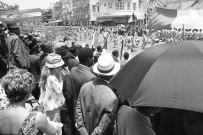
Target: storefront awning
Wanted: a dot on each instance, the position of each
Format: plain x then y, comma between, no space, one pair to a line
120,19
103,19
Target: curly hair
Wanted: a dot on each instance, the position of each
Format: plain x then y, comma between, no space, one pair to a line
18,85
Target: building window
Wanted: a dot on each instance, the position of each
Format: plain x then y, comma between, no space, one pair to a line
94,8
128,6
110,5
116,6
134,6
119,6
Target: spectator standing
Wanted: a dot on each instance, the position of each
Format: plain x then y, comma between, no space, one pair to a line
81,73
97,104
125,60
97,53
51,84
135,121
16,119
115,55
17,53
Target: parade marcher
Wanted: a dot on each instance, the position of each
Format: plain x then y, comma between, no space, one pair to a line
115,55
97,53
125,60
17,52
16,119
97,104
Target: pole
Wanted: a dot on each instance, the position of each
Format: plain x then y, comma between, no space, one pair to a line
122,49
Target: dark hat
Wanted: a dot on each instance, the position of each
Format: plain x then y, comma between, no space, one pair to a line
63,51
47,48
12,25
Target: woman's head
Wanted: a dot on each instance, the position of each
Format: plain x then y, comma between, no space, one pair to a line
18,85
52,67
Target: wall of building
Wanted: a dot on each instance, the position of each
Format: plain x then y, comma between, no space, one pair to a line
115,8
80,13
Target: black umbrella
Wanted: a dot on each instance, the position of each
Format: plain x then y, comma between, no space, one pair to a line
167,75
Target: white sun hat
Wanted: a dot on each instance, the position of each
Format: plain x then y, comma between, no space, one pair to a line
106,66
54,61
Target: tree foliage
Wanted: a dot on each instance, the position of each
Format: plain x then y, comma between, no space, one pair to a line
47,15
58,9
13,7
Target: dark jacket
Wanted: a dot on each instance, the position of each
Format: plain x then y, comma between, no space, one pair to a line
79,76
67,113
17,53
129,122
70,61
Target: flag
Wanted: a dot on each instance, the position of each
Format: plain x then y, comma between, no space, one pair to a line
95,39
121,52
105,44
133,18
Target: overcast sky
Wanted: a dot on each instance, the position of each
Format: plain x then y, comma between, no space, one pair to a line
29,4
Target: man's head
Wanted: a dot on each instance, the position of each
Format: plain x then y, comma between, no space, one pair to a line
13,28
99,48
126,55
115,53
85,56
74,50
106,67
73,44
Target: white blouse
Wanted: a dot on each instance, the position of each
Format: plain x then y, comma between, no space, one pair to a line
52,97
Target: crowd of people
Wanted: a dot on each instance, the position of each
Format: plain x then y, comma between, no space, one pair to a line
55,88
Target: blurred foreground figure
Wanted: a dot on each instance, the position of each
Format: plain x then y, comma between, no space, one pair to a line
16,119
97,104
135,121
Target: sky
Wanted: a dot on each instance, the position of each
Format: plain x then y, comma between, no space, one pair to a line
29,4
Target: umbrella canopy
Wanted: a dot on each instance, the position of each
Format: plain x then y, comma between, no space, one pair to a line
168,75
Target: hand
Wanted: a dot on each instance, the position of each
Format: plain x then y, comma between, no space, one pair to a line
56,118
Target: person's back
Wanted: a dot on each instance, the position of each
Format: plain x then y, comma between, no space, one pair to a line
81,74
11,120
130,122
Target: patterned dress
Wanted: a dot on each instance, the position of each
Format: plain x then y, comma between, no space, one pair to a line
3,99
28,126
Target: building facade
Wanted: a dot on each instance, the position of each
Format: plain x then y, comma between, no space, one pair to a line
91,12
116,11
80,13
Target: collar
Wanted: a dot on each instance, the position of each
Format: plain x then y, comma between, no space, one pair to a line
103,80
84,66
145,119
12,34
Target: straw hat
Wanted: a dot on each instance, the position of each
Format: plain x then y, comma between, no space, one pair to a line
106,66
54,61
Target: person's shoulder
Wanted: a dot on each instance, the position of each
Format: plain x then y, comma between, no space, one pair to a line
87,85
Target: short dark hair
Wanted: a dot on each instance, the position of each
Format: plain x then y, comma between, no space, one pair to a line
126,55
115,53
99,48
84,54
